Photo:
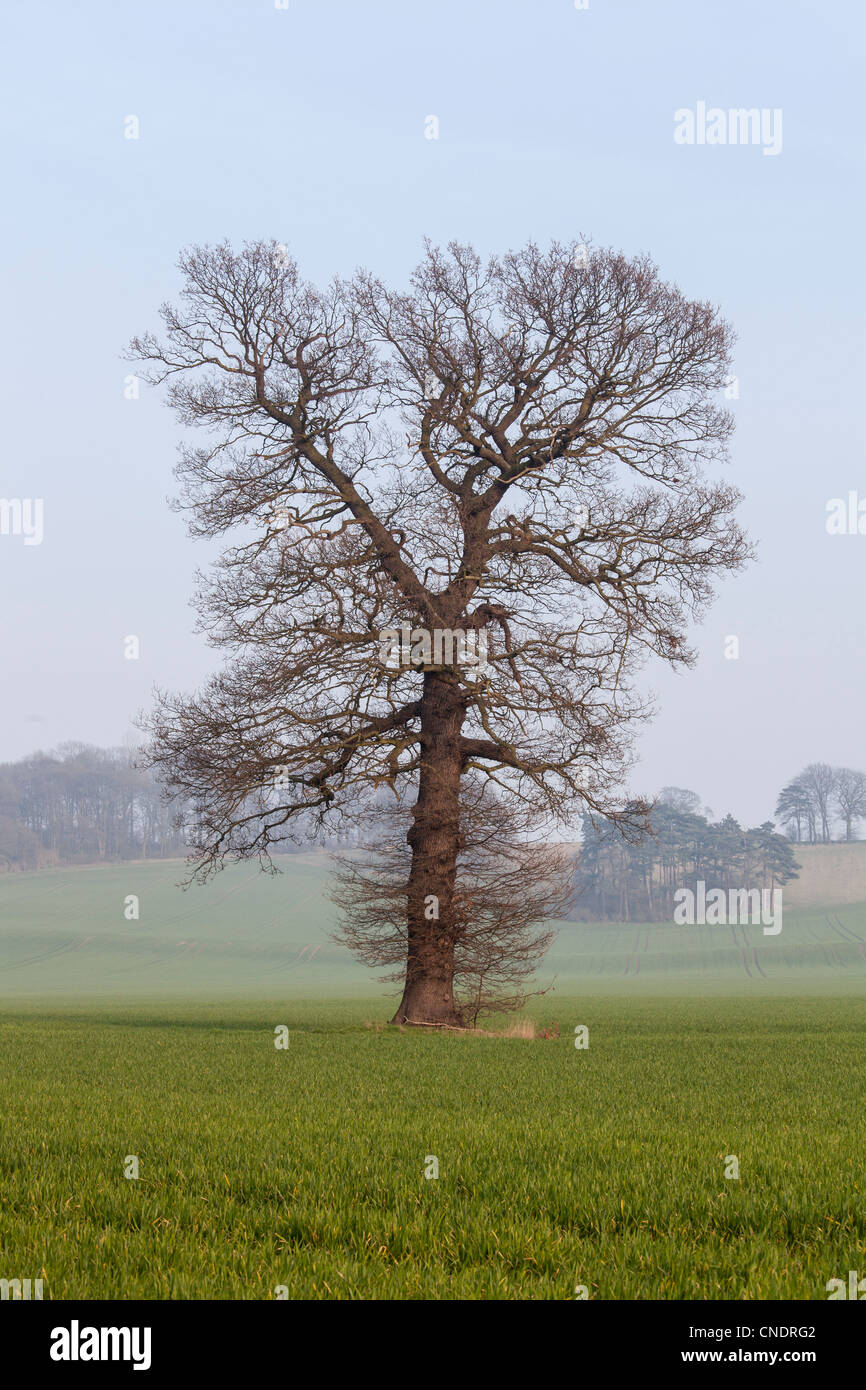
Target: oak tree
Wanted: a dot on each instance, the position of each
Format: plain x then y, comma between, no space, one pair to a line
505,464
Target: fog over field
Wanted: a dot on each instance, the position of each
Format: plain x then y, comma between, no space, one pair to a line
64,934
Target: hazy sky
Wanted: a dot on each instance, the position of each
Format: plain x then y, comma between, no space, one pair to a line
308,124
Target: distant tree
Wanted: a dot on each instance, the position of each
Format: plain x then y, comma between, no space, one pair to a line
680,799
850,797
20,848
820,780
731,846
807,803
795,810
774,856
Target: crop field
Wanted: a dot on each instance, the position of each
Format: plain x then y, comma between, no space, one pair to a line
246,933
307,1170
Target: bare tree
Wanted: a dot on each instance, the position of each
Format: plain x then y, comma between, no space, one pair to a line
807,802
819,782
680,799
507,888
512,452
850,797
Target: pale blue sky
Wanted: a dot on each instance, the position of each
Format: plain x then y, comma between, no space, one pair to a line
307,124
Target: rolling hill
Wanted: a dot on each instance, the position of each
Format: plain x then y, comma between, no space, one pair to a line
64,932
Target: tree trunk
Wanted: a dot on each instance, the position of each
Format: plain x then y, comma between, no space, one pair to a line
428,993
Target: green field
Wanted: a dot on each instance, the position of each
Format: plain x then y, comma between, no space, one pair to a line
249,934
304,1167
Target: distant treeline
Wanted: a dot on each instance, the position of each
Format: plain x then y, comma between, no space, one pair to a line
84,805
622,882
79,804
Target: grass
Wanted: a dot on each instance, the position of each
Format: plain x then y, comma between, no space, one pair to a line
304,1167
246,934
